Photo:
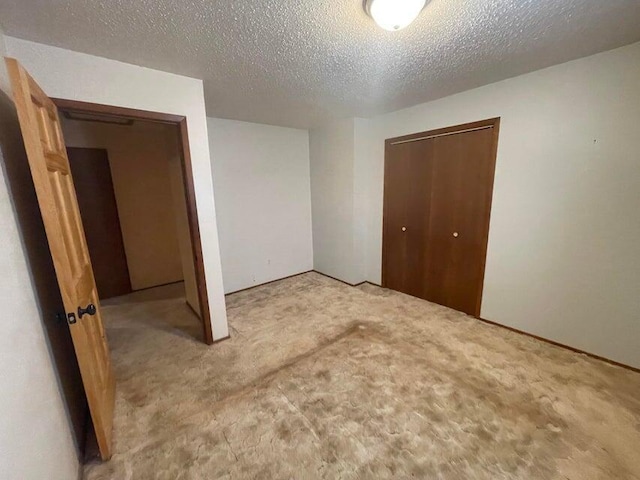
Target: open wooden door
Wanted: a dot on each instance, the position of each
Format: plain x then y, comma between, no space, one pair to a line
56,194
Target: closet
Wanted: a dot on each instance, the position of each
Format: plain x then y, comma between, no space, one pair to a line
437,203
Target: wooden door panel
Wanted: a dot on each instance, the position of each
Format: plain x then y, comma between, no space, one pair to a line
45,283
418,192
397,174
99,213
55,191
439,185
408,180
461,196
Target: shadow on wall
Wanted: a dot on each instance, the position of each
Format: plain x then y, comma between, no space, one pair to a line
43,279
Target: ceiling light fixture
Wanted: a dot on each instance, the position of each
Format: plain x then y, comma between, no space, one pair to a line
394,15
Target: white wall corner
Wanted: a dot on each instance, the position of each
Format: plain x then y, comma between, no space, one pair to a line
262,176
339,198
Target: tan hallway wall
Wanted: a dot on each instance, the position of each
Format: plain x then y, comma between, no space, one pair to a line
180,210
143,160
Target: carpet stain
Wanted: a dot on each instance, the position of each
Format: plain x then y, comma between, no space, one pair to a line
323,380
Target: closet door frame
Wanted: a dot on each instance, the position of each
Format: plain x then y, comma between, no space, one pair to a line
494,124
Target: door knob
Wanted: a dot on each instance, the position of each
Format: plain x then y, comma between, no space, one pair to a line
455,234
404,229
90,310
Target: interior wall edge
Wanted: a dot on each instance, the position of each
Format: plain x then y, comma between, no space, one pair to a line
336,206
77,76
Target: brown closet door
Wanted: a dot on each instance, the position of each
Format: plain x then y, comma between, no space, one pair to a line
99,212
408,175
460,206
437,202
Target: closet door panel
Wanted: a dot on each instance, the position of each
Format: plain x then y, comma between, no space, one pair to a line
461,201
406,216
397,173
418,217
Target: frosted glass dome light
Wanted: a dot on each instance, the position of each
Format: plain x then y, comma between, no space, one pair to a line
394,15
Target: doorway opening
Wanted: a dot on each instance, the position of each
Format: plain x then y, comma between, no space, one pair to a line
134,183
74,297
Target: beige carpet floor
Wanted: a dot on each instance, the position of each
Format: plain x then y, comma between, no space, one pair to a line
323,380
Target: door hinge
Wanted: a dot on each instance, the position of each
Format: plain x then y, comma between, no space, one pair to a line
71,317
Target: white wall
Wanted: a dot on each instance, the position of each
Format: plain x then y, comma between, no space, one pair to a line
4,76
331,149
362,173
340,182
564,256
71,75
263,201
35,436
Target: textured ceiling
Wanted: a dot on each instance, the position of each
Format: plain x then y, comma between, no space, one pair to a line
301,62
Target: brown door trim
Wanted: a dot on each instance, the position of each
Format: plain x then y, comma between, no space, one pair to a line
187,175
488,123
120,112
493,123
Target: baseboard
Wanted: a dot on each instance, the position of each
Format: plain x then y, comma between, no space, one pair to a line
221,339
552,342
297,275
338,280
156,286
267,283
521,332
562,345
195,312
